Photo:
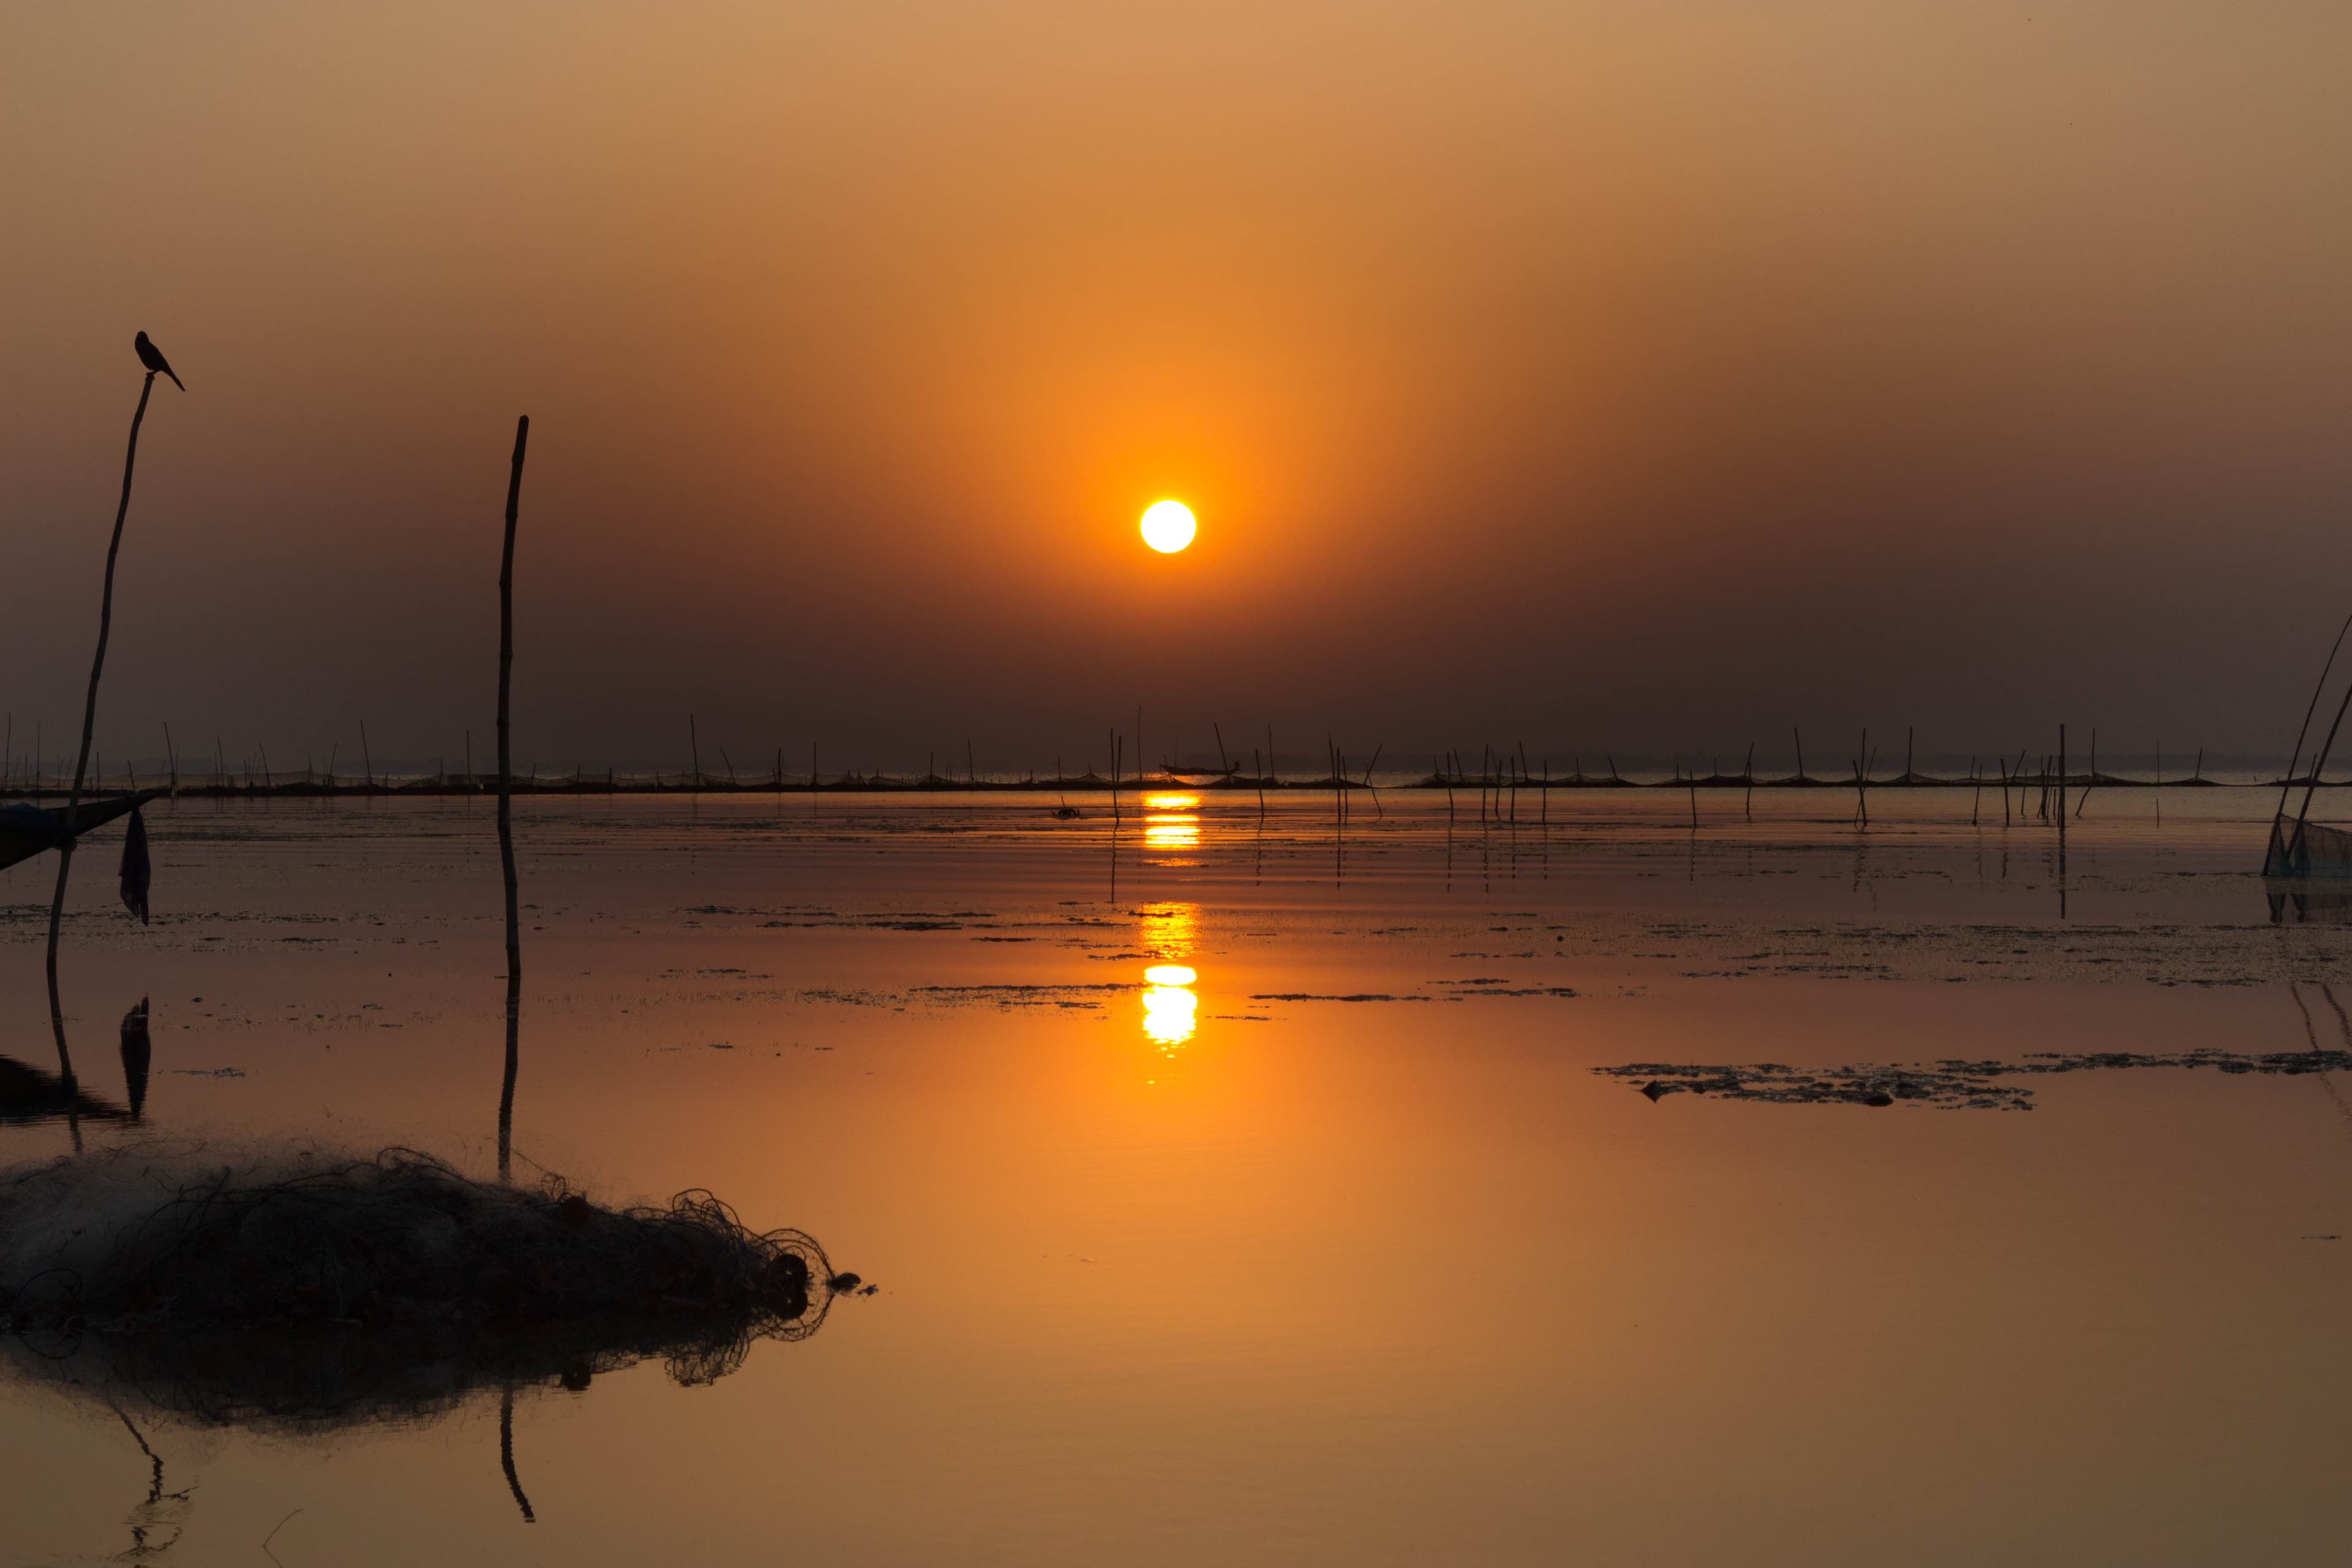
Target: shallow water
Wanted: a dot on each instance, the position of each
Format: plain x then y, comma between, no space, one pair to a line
1338,1249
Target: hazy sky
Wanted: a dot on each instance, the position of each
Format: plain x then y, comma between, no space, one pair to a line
1640,375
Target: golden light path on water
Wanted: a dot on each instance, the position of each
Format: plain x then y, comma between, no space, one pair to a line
1171,1007
1171,822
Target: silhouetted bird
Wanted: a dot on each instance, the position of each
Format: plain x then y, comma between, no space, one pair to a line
153,358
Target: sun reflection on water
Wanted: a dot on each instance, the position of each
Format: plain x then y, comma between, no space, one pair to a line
1168,1015
1171,822
1169,930
1170,1008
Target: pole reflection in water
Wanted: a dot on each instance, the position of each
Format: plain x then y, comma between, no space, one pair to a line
138,1056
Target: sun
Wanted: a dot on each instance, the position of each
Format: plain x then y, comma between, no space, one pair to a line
1168,526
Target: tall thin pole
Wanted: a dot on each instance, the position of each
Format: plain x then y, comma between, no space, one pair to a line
506,805
2061,793
89,709
2287,783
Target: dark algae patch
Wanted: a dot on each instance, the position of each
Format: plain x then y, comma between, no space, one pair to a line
1946,1085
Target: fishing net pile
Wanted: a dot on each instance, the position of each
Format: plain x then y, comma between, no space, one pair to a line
310,1287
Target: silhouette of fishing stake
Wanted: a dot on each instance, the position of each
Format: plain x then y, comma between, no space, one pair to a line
153,358
506,816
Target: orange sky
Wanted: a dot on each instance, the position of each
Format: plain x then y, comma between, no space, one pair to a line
1630,375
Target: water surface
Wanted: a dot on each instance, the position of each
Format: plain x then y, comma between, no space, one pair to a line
1243,1189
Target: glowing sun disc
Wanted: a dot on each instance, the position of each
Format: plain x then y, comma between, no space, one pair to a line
1168,526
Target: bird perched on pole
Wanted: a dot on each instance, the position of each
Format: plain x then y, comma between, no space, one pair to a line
153,358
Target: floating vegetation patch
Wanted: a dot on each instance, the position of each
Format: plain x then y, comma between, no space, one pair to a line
1484,990
305,1288
1946,1085
2158,953
851,996
1324,996
1019,996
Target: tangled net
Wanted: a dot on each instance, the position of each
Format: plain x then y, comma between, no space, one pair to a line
309,1288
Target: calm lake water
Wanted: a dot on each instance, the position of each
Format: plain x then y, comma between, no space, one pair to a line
1244,1191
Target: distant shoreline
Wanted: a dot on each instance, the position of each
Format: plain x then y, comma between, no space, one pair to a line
315,787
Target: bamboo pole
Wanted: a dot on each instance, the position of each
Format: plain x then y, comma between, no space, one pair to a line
506,806
90,710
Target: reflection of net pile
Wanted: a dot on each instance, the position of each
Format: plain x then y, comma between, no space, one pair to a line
310,1289
2307,849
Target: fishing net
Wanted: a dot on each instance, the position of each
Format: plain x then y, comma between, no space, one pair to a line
309,1288
2301,849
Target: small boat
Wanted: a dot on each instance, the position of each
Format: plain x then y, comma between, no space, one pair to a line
26,830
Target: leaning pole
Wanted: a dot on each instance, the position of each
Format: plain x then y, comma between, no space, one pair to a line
506,805
89,704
